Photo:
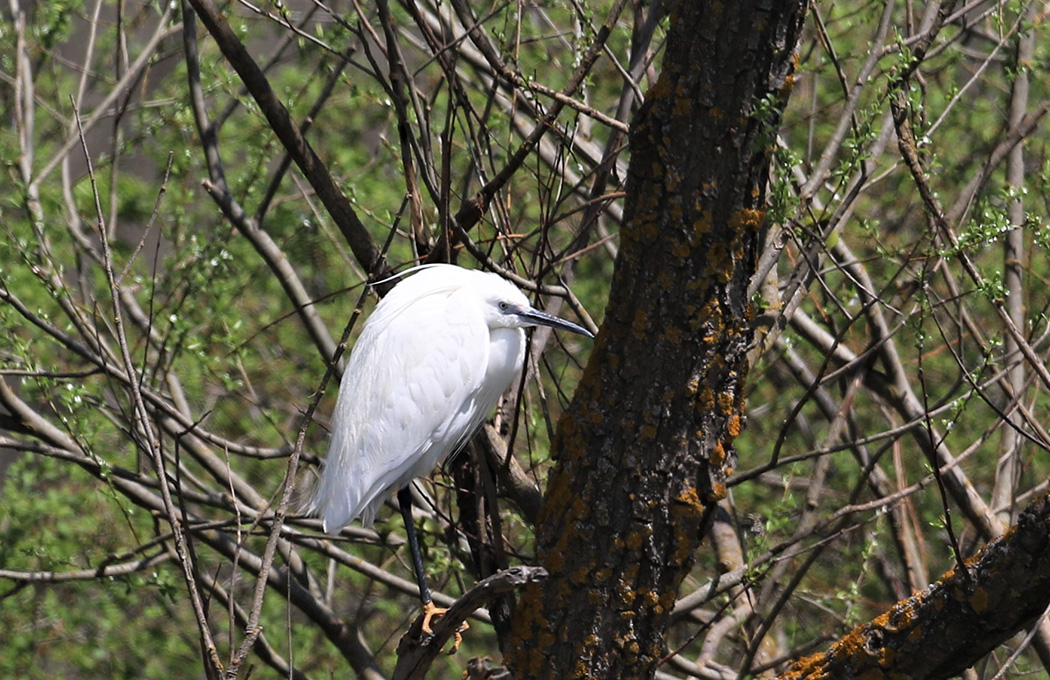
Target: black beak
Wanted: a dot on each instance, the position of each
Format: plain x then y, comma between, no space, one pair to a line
538,318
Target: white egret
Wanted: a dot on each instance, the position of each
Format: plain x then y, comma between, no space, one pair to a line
429,366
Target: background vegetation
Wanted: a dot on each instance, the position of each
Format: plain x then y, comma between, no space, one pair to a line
173,290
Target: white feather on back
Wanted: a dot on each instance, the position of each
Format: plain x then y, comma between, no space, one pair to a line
423,375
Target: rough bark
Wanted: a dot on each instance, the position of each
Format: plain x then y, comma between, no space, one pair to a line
646,445
945,629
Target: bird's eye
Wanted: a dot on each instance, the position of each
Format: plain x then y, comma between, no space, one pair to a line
504,306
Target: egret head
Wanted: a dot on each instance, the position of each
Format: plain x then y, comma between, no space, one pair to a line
507,307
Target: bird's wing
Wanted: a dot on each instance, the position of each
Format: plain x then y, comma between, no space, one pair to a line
405,402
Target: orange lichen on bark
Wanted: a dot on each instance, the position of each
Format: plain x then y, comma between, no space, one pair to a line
807,667
686,511
625,596
747,218
689,501
901,617
717,455
733,426
727,403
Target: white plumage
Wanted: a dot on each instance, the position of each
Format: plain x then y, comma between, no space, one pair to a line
430,364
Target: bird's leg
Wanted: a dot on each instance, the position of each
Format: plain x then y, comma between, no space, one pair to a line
404,499
430,610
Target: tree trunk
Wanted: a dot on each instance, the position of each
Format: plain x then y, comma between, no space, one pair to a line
646,445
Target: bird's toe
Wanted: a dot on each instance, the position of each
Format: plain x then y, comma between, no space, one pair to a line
432,612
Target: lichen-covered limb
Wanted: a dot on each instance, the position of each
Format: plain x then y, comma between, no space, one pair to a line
949,626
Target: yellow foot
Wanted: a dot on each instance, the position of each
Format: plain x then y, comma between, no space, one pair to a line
431,612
